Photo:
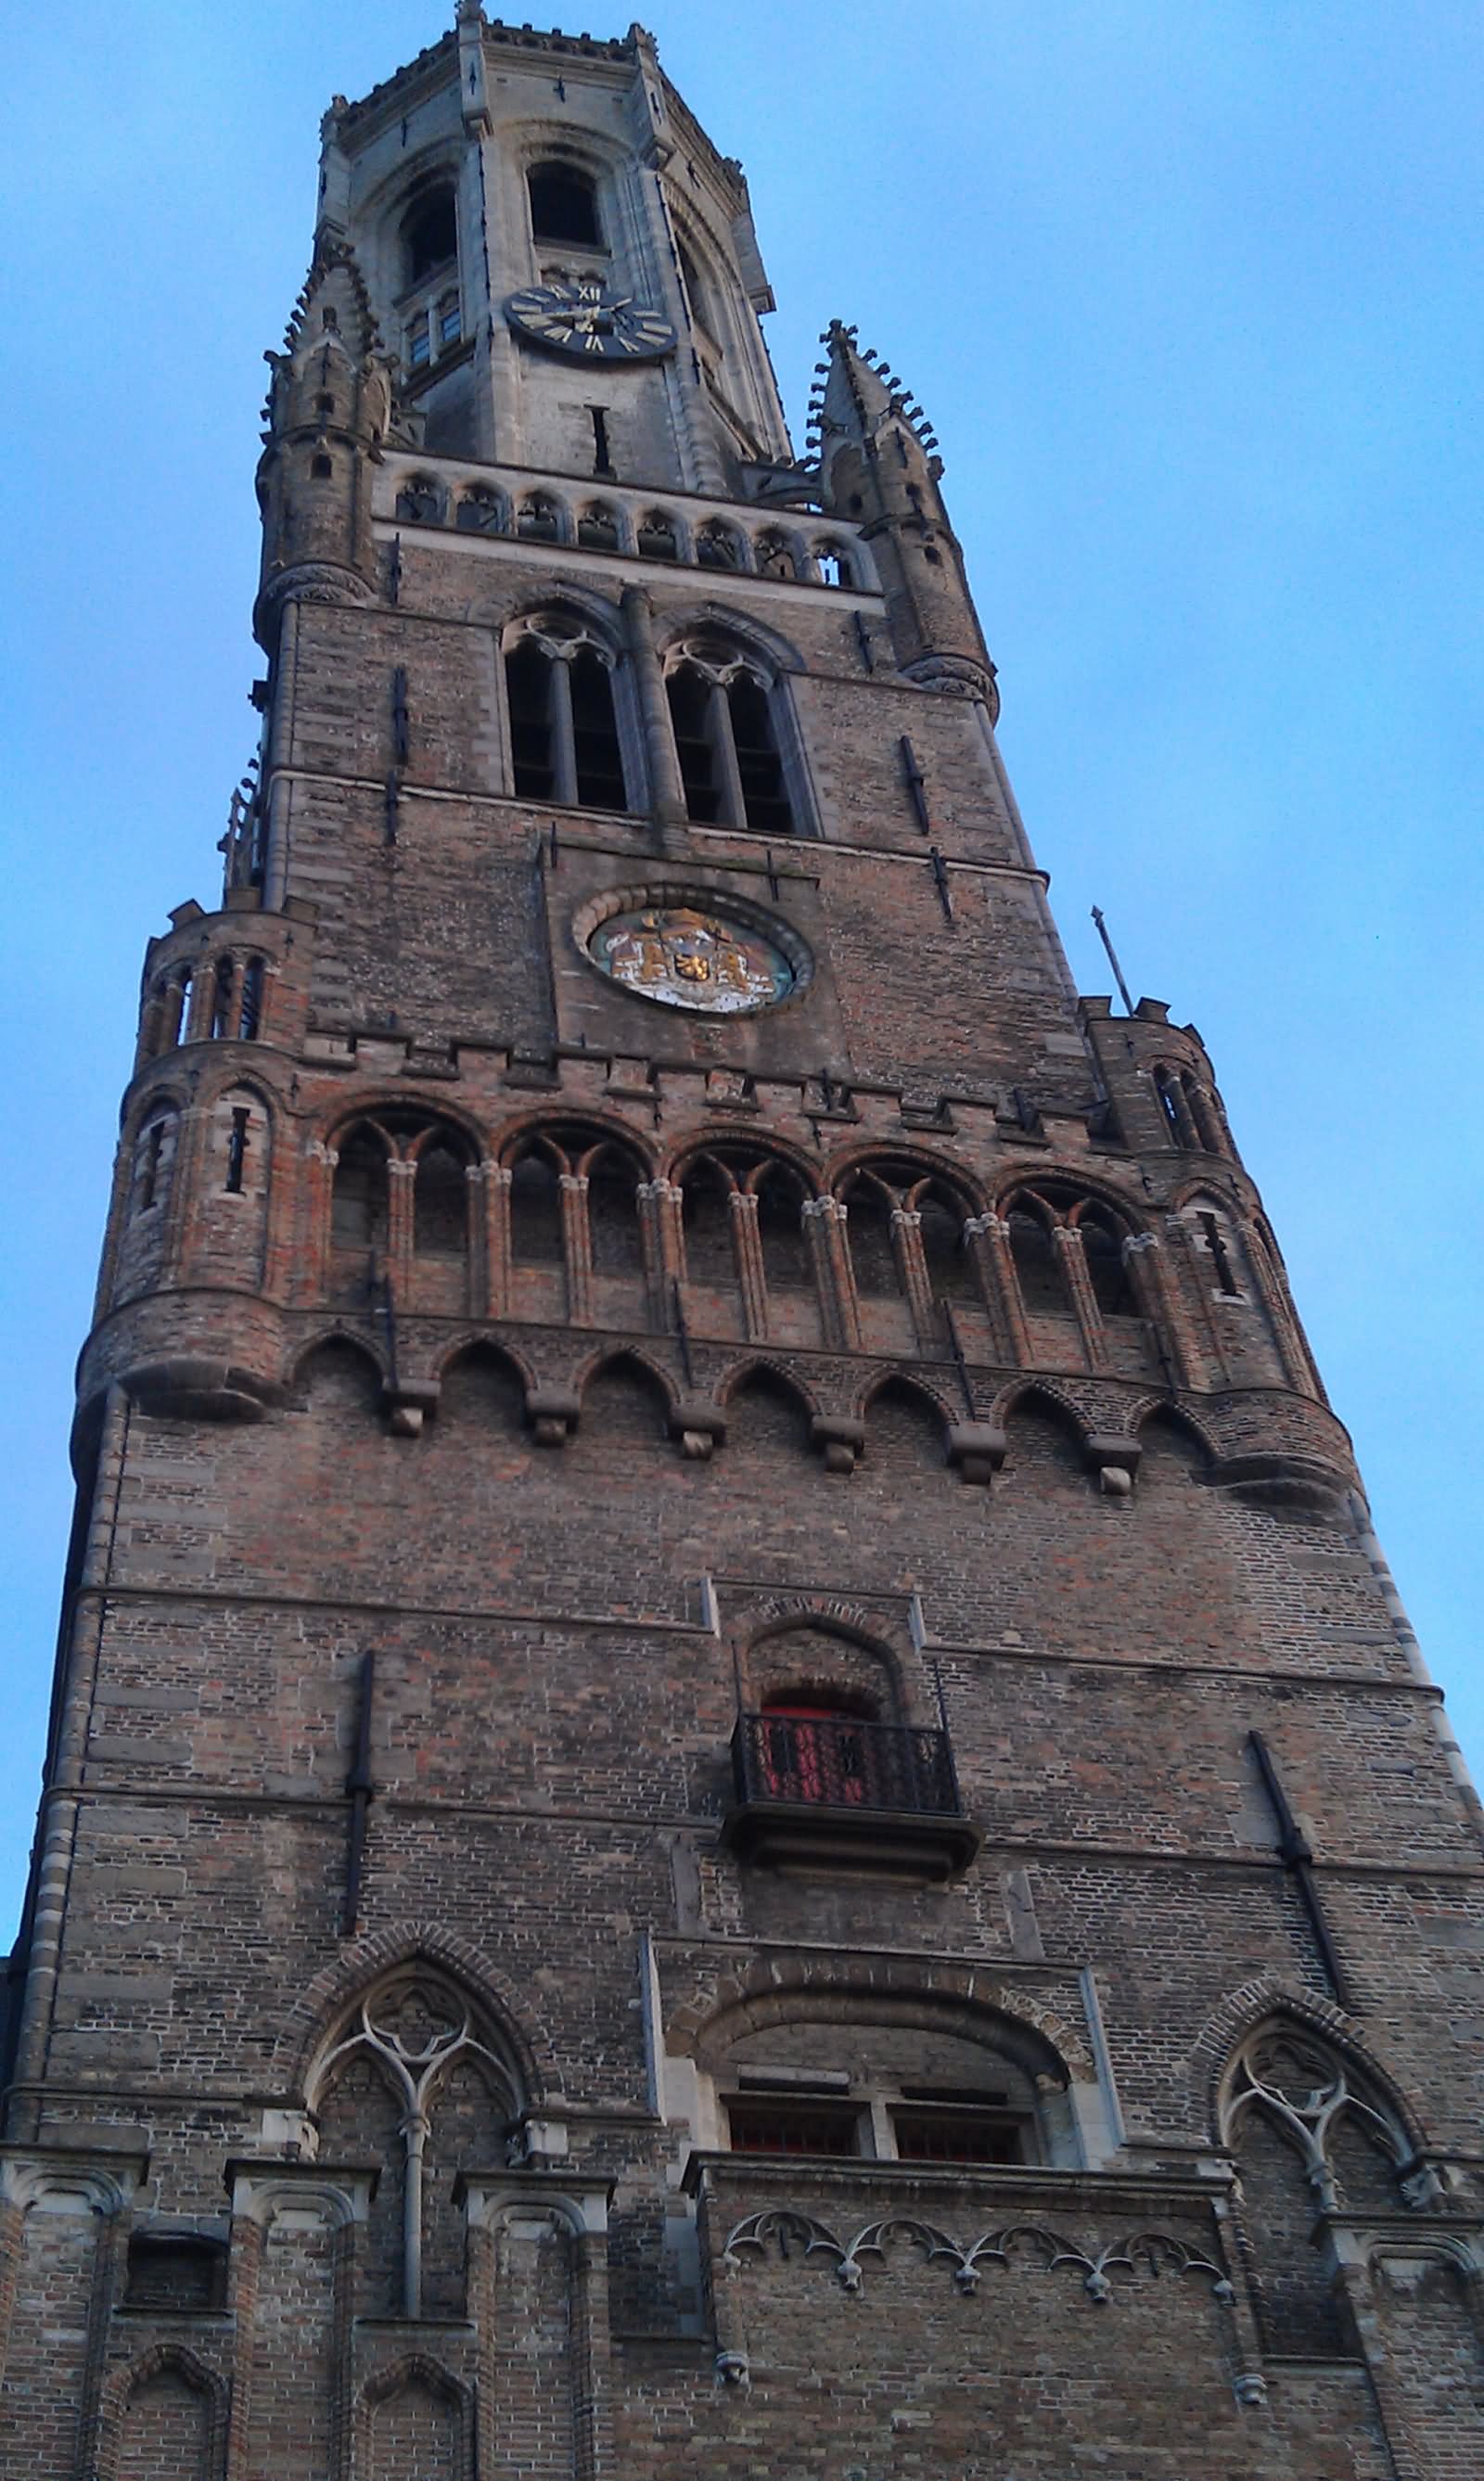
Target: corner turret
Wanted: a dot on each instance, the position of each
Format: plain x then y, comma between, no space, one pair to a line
879,467
328,411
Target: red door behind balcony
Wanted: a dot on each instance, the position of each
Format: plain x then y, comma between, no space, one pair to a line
814,1753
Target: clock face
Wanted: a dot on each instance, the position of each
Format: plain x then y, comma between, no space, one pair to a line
685,957
585,320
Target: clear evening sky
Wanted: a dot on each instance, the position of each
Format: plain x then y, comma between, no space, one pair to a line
1190,292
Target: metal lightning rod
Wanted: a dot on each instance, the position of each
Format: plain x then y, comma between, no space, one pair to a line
1112,958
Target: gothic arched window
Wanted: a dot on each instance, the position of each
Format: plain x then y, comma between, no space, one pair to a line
873,1253
1043,1290
726,742
1309,2132
564,205
780,1195
1106,1269
612,1213
535,1212
418,2083
440,1200
707,1219
564,739
358,1198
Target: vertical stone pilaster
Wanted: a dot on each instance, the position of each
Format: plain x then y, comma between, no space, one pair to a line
912,1273
400,1181
660,1203
317,1189
823,1221
1183,1253
245,2281
575,1246
1272,1293
1067,1241
1149,1275
495,1236
747,1248
661,767
988,1236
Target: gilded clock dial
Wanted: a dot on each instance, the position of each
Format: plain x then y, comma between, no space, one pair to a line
586,319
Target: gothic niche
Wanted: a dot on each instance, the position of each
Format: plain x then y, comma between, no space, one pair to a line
416,2082
1311,2137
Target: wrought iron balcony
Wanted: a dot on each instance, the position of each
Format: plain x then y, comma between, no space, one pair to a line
835,1791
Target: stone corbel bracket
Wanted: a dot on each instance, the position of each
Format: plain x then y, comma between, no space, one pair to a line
839,1440
1116,1460
408,1402
699,1424
553,1414
978,1449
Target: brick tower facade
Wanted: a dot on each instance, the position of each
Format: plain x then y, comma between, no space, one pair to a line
735,1788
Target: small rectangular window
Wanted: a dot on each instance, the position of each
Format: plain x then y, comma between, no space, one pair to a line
947,2135
792,2126
450,323
419,343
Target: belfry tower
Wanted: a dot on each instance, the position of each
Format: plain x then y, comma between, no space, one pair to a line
735,1787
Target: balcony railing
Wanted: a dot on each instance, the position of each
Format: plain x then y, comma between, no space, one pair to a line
835,1790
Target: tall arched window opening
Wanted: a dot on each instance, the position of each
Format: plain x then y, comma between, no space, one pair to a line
707,1212
430,236
249,1024
564,205
1038,1273
440,1201
1108,1270
358,1199
612,1215
786,1262
536,1212
730,762
873,1256
565,741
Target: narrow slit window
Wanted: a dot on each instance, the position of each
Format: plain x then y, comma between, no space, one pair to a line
601,453
237,1151
1220,1257
149,1169
450,325
420,342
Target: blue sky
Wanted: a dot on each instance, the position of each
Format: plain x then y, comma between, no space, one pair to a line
1190,291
